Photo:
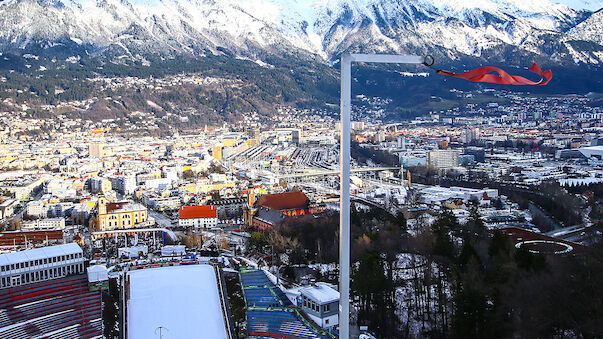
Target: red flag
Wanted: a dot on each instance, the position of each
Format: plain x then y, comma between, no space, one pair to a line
481,75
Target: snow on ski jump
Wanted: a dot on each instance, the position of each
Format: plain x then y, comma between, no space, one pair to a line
184,301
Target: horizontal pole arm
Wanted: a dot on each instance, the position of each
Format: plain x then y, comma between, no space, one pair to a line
388,58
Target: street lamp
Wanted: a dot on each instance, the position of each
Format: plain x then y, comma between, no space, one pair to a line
344,218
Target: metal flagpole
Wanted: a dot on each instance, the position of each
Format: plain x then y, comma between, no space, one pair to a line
344,217
344,214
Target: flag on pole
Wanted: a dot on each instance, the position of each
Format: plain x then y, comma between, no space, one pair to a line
482,74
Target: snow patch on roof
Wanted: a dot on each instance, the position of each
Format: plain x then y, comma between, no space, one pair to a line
39,253
322,293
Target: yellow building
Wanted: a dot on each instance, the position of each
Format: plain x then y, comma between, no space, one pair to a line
90,202
67,150
120,214
217,152
204,186
454,204
106,185
229,142
250,143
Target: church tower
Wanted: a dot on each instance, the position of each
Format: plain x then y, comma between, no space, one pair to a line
102,205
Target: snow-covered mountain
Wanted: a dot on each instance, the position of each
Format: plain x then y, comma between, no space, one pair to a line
565,32
590,29
589,5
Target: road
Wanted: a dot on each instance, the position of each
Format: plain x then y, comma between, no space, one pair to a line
160,219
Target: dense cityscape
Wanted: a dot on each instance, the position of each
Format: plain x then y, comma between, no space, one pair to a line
318,169
256,209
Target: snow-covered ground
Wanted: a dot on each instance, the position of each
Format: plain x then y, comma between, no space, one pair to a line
420,283
184,300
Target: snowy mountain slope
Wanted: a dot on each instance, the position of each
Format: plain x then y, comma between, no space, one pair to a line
257,28
164,27
590,29
588,5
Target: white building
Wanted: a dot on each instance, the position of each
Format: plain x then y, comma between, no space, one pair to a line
443,159
36,208
25,267
7,208
98,273
592,152
198,217
158,184
170,173
44,224
97,150
142,178
59,188
132,252
124,184
173,250
436,194
159,202
321,303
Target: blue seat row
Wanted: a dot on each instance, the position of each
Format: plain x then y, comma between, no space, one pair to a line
271,323
278,322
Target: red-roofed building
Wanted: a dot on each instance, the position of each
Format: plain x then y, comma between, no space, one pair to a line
198,217
114,206
272,209
287,201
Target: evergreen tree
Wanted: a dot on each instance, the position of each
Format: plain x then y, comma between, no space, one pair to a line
374,290
400,220
441,228
529,261
470,309
498,245
467,254
475,226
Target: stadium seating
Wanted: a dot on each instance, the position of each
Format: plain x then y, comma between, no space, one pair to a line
270,314
261,297
254,278
277,323
58,308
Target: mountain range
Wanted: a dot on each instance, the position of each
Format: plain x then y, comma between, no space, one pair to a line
565,35
450,29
